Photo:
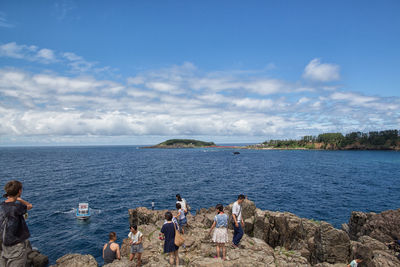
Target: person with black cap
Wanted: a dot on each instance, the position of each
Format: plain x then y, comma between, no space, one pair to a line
14,232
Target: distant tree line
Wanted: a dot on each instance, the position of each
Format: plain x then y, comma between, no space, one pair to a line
388,139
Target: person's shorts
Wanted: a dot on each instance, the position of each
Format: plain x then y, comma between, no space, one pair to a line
182,222
137,248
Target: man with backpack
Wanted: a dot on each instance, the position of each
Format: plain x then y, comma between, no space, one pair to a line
14,232
238,222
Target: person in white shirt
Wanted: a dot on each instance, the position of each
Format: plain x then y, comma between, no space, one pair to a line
136,244
182,201
238,222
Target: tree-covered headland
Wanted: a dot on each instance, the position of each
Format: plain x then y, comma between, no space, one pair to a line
184,143
376,140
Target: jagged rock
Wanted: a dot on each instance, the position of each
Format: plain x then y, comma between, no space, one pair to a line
384,226
272,239
261,224
249,226
39,260
331,245
124,262
142,215
325,264
289,258
372,243
76,260
359,250
384,258
286,230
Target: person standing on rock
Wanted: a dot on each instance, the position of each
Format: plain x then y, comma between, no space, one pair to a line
14,232
182,201
168,230
238,223
182,221
136,244
111,249
220,235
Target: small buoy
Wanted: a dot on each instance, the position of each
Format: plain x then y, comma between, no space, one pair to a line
236,153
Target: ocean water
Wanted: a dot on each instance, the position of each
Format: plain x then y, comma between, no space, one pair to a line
322,185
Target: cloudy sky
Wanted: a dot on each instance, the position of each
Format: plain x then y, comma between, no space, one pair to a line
139,72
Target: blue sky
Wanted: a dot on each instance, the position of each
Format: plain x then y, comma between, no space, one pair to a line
139,72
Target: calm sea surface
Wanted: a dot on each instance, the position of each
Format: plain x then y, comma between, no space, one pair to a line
323,185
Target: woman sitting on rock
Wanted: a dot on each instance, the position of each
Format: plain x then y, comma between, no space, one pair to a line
220,235
168,230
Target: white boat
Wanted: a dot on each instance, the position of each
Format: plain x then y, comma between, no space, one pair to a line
83,212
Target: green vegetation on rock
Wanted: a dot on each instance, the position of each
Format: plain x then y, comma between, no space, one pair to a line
382,140
184,143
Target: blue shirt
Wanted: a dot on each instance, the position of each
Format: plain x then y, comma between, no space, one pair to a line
221,220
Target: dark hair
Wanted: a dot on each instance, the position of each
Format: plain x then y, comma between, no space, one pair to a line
219,207
12,188
112,235
241,196
178,197
134,226
178,206
168,216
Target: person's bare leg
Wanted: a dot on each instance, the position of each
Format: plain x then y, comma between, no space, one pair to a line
171,258
176,257
131,256
139,259
217,250
223,251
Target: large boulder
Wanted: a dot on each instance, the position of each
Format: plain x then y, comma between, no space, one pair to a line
331,245
384,226
76,260
142,215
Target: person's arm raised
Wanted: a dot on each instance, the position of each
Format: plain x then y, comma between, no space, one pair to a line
26,203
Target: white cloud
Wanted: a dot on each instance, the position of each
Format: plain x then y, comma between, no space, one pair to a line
208,104
322,72
76,64
353,98
46,54
17,51
3,21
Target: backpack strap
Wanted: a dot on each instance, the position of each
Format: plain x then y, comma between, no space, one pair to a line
4,227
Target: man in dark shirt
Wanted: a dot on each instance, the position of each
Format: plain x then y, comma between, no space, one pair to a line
14,232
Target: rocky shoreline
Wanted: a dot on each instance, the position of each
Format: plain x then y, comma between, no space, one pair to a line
271,239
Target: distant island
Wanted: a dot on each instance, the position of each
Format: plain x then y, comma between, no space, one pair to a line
183,143
382,140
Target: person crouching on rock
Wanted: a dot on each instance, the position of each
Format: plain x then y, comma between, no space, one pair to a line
168,230
238,223
354,263
111,249
14,232
136,244
220,235
182,221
